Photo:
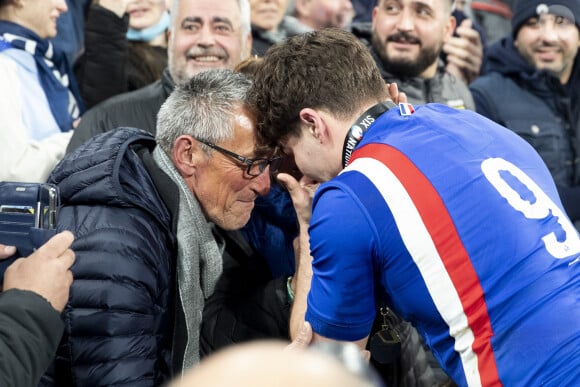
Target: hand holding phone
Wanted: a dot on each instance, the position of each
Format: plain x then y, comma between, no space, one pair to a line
28,214
46,271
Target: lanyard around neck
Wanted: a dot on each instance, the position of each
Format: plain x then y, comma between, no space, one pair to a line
361,125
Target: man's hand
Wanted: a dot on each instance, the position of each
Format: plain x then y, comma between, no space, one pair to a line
302,340
46,271
464,53
396,95
118,7
301,193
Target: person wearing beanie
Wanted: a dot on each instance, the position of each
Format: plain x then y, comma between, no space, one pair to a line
531,85
527,9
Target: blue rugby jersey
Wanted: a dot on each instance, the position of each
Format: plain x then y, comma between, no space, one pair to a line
458,222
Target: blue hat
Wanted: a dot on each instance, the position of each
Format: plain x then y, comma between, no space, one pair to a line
526,9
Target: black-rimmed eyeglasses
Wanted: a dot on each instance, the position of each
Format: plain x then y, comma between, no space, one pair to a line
255,166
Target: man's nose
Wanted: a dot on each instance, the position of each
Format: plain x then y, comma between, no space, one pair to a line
62,7
206,36
550,31
347,5
406,20
262,182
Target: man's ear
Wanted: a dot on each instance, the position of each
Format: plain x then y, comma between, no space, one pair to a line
187,155
449,28
312,123
374,15
248,47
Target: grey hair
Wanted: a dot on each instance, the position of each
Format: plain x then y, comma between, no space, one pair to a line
204,107
244,15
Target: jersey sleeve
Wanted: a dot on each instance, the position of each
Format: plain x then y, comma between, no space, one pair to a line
341,302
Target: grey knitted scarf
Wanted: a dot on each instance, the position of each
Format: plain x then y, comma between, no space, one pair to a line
199,260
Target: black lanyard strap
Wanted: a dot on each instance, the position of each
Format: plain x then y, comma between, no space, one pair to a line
357,131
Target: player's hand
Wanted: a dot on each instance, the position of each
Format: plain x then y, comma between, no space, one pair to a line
302,340
301,191
396,95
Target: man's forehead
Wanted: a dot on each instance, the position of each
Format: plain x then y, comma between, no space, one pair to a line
210,9
246,120
425,2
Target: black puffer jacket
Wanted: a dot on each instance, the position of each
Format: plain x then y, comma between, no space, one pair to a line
120,312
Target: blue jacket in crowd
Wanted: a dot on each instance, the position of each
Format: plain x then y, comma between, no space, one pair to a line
272,229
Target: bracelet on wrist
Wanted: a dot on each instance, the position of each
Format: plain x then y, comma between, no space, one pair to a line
289,290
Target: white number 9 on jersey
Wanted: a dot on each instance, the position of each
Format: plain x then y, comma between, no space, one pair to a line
540,209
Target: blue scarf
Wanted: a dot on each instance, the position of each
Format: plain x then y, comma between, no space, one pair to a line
54,72
150,33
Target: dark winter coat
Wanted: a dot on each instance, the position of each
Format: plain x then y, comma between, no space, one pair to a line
120,312
30,330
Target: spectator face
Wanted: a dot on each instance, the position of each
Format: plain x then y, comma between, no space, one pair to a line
551,43
267,14
225,191
319,14
206,34
408,35
145,13
40,16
